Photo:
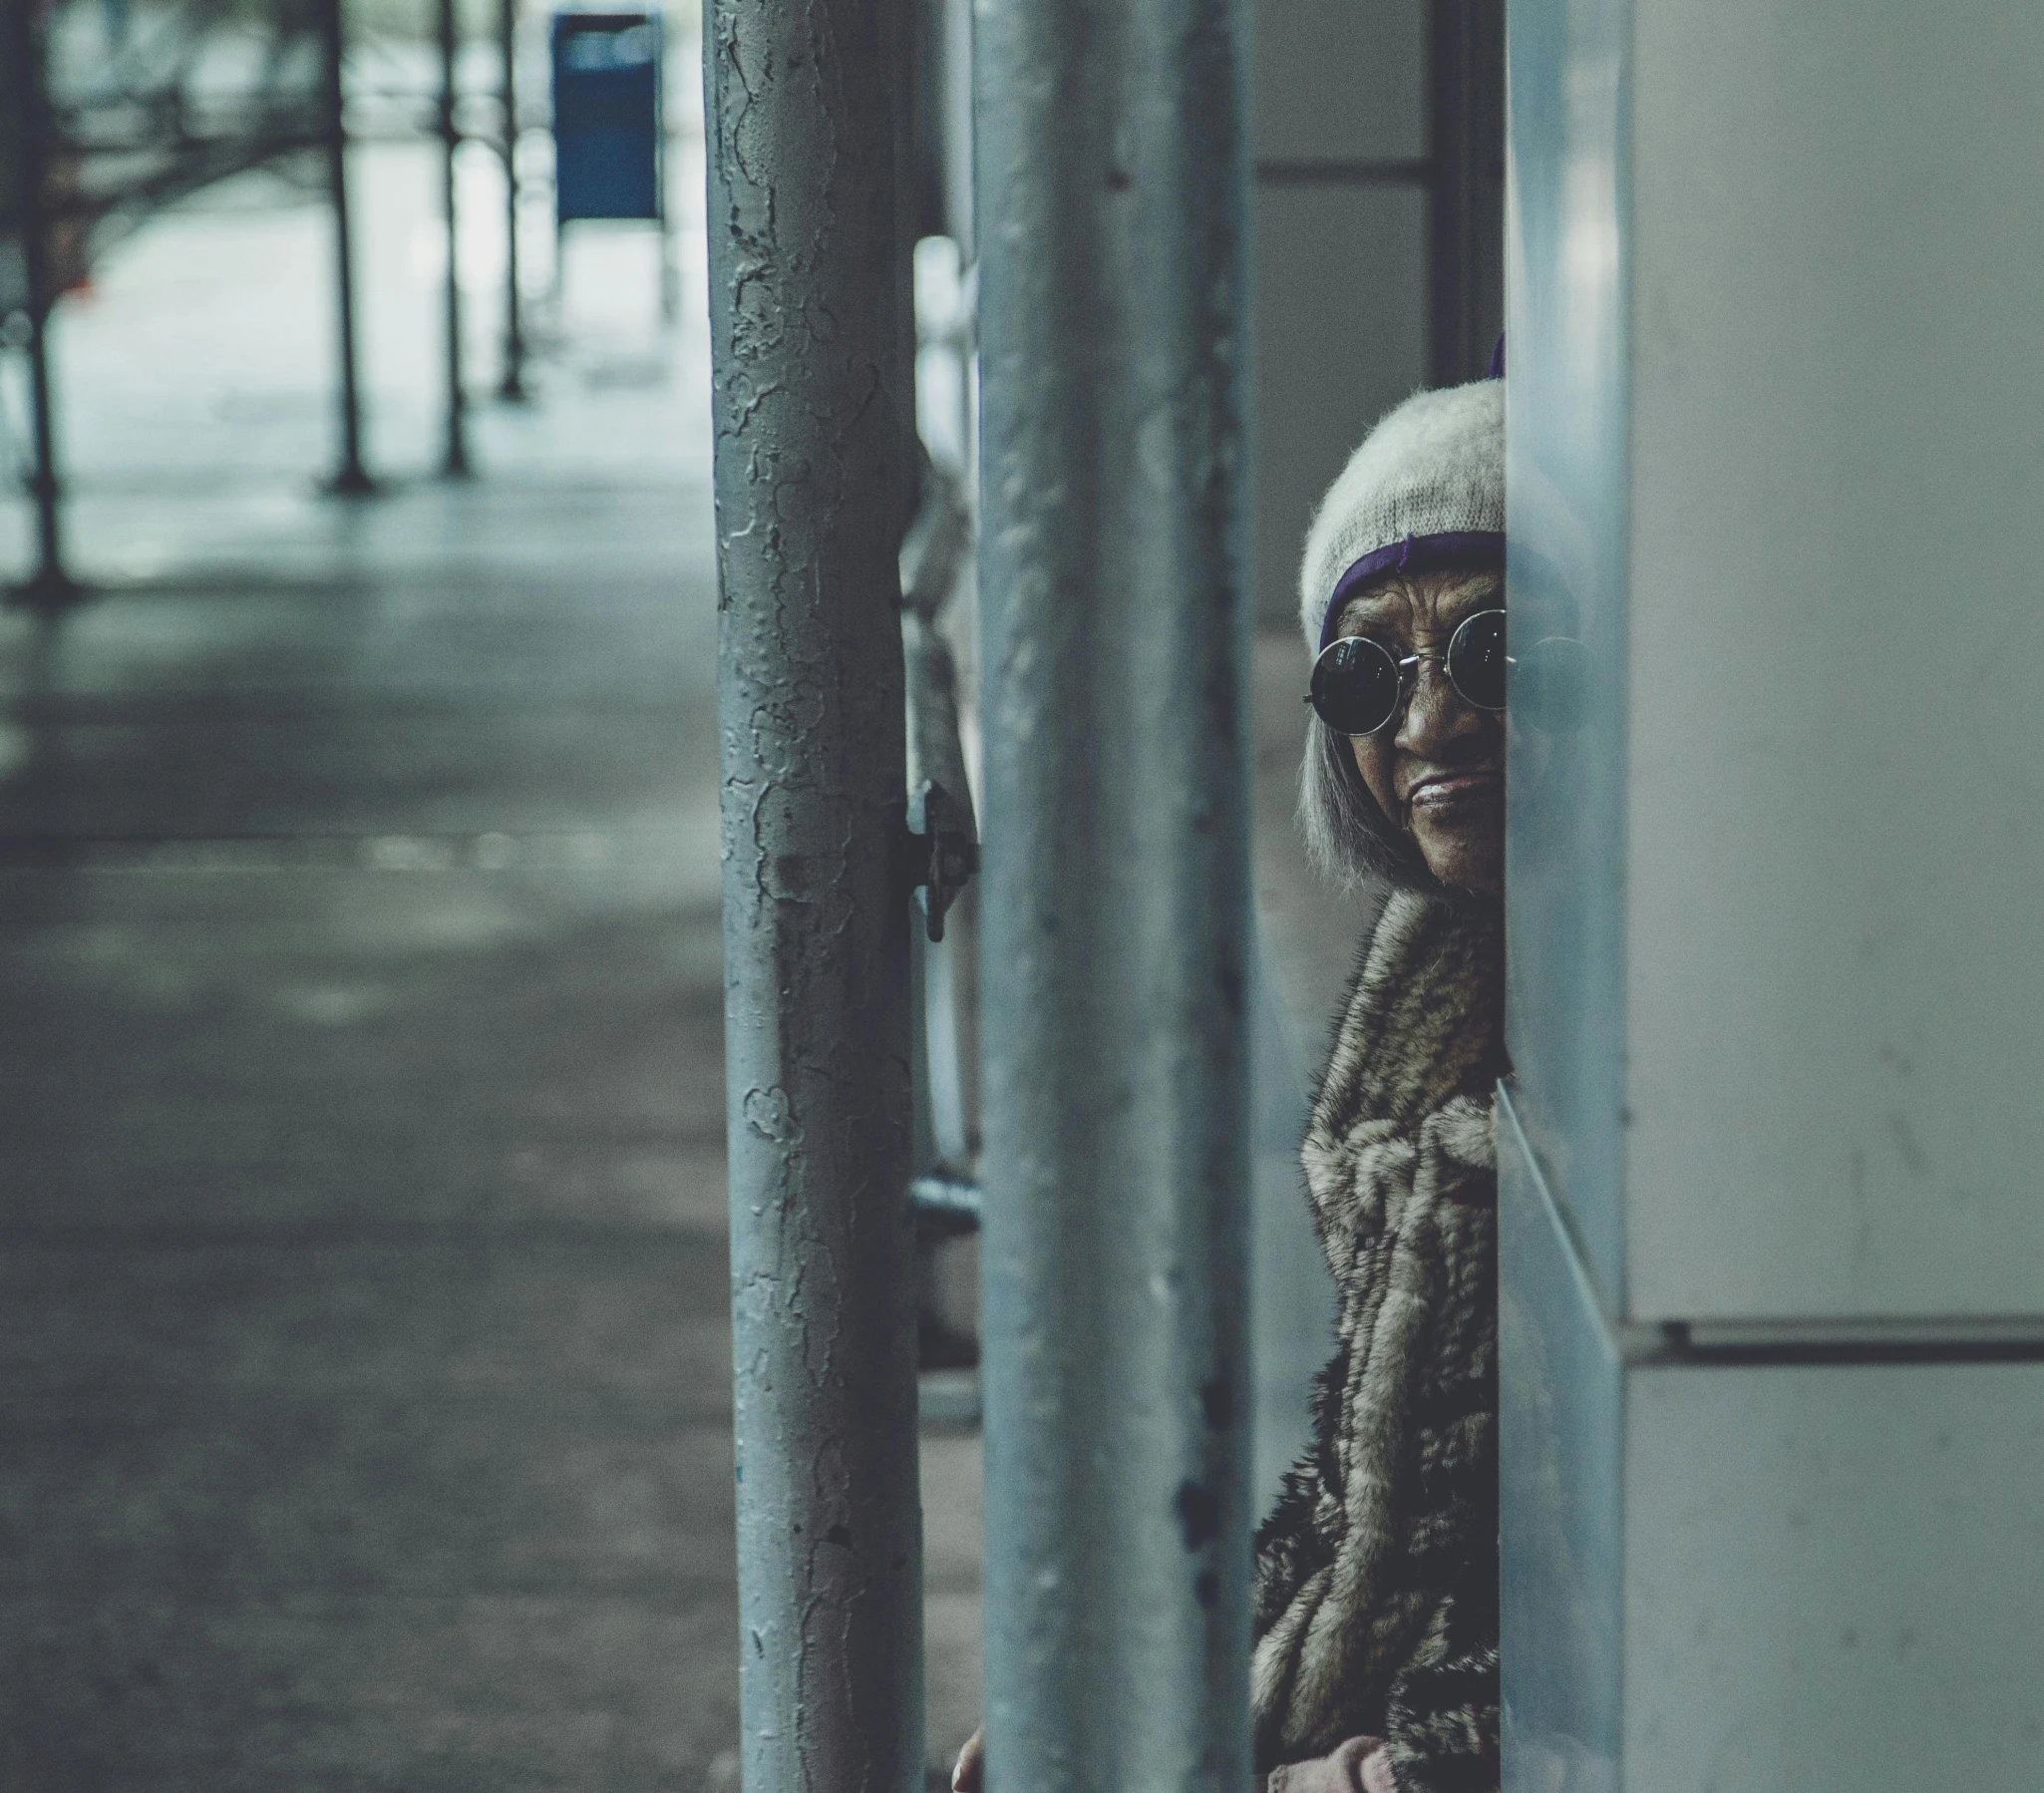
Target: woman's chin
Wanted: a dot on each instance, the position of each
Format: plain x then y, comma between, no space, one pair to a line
1464,856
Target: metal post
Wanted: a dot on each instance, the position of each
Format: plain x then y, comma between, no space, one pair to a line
456,463
351,477
51,585
1113,177
811,341
670,266
513,386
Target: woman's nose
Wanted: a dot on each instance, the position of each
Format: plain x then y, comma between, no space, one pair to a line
1435,713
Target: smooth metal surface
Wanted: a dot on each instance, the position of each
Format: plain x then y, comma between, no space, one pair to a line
454,460
1567,508
1112,172
812,338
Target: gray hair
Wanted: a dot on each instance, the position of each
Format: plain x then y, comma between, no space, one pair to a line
1347,836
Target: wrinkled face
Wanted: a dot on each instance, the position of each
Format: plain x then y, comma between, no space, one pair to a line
1438,771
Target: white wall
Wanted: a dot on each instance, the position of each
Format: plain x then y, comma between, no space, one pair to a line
1835,973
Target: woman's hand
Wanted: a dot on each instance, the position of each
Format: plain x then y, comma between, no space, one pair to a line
1359,1766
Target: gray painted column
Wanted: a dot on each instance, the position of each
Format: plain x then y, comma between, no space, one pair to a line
812,340
1112,181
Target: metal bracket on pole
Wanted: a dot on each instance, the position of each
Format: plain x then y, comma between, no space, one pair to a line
944,840
943,836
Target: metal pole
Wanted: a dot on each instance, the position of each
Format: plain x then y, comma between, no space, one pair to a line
51,585
811,343
1112,176
456,463
670,267
351,478
513,382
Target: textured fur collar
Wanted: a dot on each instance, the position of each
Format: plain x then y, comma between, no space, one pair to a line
1372,1615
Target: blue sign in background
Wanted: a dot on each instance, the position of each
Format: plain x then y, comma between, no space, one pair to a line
606,116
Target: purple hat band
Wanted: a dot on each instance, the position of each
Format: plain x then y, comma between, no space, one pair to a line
1416,553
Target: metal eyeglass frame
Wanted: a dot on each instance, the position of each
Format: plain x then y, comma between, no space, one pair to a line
1408,673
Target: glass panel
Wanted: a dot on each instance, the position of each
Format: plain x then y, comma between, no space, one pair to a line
1563,1536
1566,473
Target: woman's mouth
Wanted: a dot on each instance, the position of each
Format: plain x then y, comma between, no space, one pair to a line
1453,790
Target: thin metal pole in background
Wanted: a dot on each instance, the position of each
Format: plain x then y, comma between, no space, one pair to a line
351,478
670,266
51,585
1115,910
812,352
455,461
513,386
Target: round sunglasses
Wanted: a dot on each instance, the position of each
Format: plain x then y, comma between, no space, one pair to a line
1360,687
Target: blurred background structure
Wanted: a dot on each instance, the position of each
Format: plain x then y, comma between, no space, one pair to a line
367,1342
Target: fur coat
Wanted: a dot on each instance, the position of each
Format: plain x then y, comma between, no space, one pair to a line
1376,1585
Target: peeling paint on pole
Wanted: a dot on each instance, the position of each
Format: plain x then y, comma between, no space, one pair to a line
811,343
1115,900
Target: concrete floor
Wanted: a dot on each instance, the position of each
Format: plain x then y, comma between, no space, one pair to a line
364,1365
366,1371
364,1358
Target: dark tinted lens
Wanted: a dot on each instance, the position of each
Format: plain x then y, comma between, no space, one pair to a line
1355,685
1476,661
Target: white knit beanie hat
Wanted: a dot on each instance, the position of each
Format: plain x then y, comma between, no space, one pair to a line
1426,489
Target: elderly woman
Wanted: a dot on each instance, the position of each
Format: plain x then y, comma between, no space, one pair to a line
1376,1590
1376,1594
